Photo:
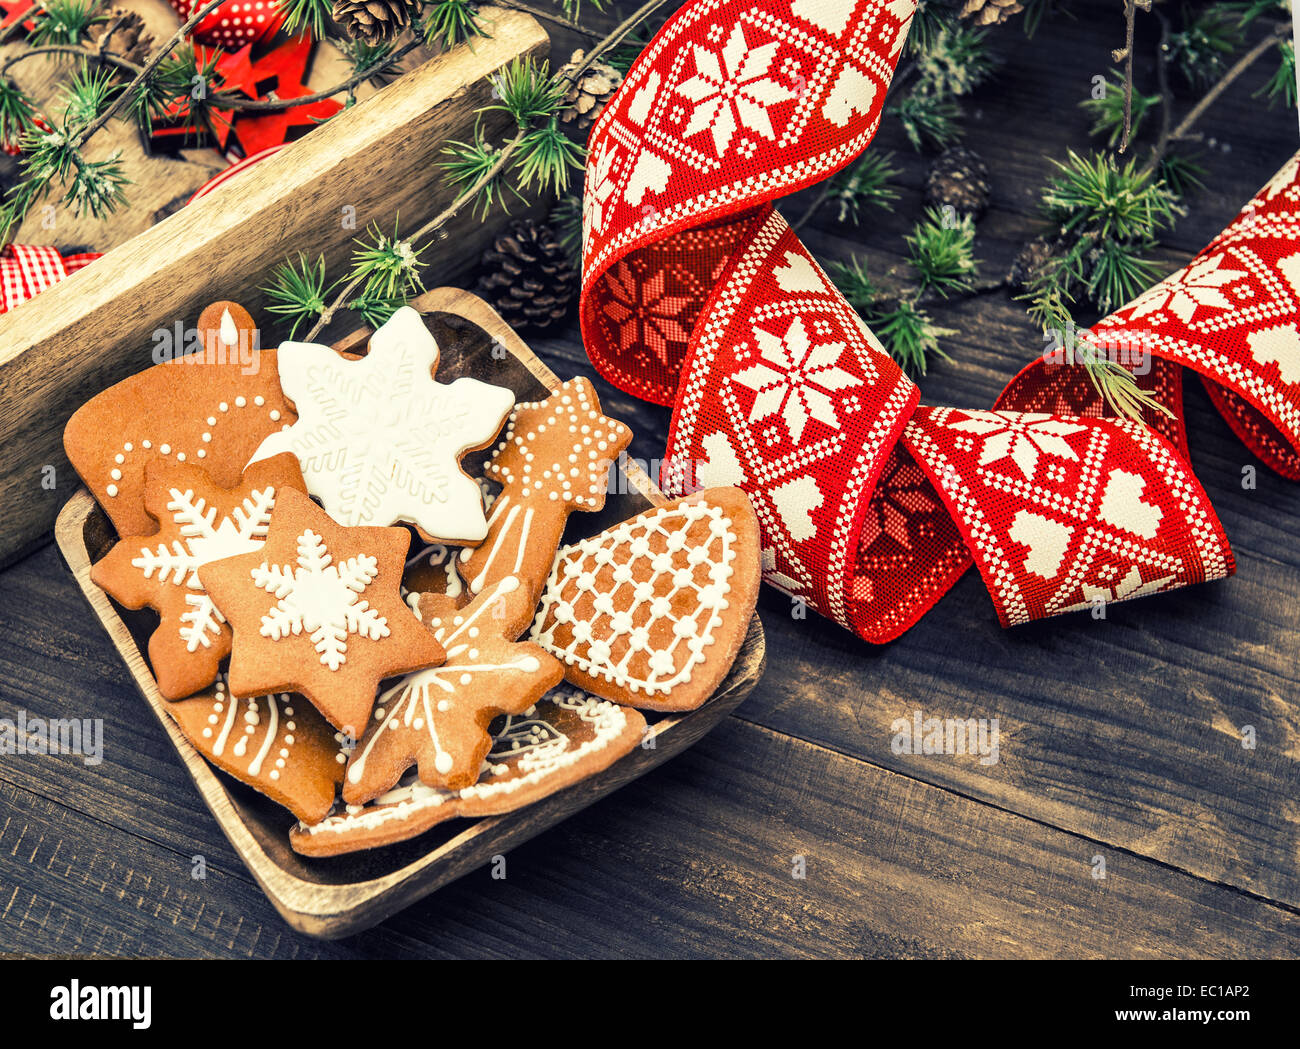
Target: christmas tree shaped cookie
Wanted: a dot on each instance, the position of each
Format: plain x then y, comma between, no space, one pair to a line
198,521
318,610
380,440
439,717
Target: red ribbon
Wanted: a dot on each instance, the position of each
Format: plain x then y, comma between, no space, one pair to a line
698,295
27,270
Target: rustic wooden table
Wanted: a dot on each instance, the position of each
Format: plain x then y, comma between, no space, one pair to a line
1121,740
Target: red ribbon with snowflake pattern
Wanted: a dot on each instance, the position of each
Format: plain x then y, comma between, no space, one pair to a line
697,294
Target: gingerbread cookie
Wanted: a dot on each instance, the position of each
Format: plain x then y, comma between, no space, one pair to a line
277,744
652,612
197,521
318,610
439,718
212,407
567,737
553,459
380,441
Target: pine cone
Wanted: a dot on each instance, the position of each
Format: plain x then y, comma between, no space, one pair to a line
1033,256
958,178
589,94
129,39
529,277
373,21
990,12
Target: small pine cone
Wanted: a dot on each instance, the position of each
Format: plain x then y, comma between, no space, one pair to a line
372,21
129,39
990,12
1033,256
529,277
587,98
958,178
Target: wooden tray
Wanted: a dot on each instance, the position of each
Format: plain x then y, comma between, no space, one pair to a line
339,896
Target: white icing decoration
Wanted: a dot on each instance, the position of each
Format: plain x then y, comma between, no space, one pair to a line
321,598
574,575
379,440
204,541
413,694
229,330
548,757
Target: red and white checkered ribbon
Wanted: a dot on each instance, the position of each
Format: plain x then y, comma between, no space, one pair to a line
26,270
697,294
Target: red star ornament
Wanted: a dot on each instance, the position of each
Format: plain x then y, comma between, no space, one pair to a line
288,65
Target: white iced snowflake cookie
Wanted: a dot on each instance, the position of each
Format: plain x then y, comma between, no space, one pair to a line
379,440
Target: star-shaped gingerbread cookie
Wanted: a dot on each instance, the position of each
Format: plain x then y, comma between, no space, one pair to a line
439,718
318,610
380,440
198,521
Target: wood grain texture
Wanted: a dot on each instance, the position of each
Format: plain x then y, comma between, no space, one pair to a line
93,329
1120,738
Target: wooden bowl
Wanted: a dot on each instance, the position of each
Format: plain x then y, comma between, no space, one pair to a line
342,895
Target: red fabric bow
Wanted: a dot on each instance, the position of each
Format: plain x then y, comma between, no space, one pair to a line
697,294
28,269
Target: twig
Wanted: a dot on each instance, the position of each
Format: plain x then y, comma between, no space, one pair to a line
1130,16
69,49
1197,111
222,100
550,16
271,105
1166,96
84,136
615,37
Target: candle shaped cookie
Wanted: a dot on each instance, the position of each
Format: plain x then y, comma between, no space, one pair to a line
553,459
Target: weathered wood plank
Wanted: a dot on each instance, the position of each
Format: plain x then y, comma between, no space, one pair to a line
694,860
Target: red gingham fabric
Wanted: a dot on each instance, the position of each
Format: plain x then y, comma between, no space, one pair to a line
697,294
27,270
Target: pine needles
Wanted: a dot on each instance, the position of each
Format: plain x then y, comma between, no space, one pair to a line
384,269
941,254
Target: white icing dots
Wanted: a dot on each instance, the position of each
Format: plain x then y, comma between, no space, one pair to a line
647,632
111,490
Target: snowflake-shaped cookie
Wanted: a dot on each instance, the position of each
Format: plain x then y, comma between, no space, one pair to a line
318,610
199,522
379,440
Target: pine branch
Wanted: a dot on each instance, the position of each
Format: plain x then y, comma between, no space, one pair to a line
504,158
